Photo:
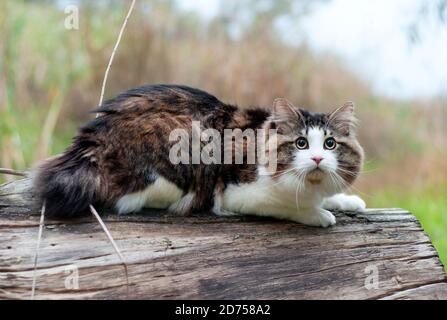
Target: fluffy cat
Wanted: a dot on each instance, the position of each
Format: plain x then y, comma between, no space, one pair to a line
122,160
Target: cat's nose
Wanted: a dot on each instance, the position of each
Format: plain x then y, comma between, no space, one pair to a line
317,160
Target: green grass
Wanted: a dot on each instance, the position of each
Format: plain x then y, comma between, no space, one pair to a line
29,128
429,205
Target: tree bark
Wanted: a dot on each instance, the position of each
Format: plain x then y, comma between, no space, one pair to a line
379,254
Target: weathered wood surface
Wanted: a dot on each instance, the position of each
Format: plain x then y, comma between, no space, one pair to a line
210,257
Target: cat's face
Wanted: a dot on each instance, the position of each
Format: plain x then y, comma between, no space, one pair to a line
316,149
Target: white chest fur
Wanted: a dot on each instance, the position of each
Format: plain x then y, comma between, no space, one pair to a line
267,197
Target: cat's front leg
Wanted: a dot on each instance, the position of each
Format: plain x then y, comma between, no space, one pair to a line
315,217
183,206
197,201
217,208
344,202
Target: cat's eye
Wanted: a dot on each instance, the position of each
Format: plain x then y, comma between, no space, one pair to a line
330,143
301,143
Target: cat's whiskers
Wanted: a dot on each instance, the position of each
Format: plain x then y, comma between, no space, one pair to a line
296,197
340,184
347,172
300,177
359,172
334,181
302,180
350,187
292,171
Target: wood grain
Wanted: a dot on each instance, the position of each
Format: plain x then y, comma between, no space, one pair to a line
215,258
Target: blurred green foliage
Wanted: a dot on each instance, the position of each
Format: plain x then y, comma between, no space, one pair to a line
428,205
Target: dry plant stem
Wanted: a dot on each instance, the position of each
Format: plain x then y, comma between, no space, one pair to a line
96,215
49,126
36,253
92,209
106,75
13,172
101,98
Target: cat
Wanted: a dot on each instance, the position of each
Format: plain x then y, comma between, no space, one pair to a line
123,159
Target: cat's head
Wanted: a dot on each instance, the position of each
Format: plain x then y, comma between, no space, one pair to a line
318,149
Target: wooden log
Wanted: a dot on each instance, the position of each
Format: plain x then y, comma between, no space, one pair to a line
380,254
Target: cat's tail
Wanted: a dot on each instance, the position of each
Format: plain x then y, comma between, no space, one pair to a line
68,183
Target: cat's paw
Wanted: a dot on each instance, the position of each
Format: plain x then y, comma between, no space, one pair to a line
219,211
182,207
317,218
326,218
344,202
224,213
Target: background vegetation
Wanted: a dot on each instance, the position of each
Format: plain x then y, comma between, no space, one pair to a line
50,79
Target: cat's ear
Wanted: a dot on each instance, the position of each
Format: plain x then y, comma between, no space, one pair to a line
286,116
283,109
342,119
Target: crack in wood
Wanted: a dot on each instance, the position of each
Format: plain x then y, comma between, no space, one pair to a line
406,288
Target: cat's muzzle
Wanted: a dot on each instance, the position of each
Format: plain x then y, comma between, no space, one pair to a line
315,176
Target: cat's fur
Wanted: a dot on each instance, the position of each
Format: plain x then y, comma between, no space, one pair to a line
121,160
